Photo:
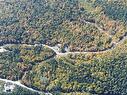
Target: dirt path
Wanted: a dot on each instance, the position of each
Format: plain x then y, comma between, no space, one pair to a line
21,85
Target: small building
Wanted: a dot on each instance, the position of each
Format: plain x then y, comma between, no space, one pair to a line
2,49
9,87
65,48
57,48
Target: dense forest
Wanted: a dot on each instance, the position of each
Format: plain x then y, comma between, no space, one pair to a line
92,26
59,21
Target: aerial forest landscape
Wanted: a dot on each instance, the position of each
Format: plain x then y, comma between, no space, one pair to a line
63,47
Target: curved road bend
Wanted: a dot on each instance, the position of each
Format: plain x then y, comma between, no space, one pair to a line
114,44
2,49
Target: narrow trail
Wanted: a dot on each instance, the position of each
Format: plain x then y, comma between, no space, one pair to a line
2,49
60,54
94,24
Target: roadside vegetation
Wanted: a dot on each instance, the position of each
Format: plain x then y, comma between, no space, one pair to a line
21,58
79,25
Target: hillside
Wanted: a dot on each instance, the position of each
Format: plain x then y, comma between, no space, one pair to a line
73,47
60,21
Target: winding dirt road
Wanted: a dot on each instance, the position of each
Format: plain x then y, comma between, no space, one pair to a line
2,49
58,53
